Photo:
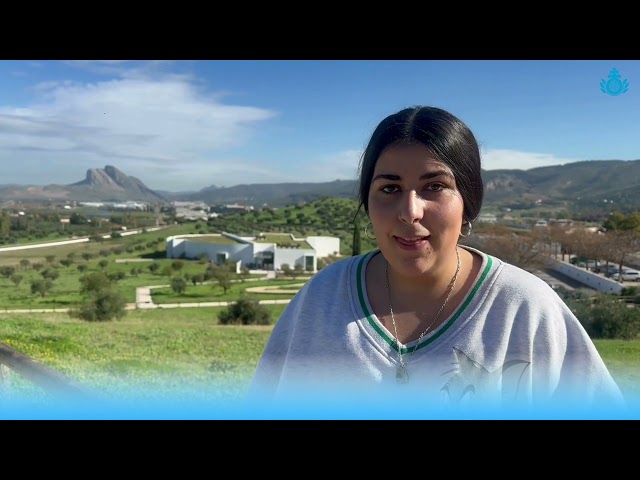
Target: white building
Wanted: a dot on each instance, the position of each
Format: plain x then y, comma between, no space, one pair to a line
268,251
488,218
325,246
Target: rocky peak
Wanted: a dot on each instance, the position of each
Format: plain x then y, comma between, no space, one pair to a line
111,181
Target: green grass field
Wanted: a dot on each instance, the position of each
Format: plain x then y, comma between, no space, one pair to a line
622,357
150,350
183,348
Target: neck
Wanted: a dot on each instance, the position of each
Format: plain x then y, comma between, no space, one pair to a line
429,285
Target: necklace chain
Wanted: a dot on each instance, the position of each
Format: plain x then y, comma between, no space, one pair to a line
402,375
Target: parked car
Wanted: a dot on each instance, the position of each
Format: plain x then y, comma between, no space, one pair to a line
607,270
630,276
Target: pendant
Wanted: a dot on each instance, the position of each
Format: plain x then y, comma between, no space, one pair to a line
402,375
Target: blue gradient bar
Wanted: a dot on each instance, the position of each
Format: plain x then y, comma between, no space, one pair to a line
142,404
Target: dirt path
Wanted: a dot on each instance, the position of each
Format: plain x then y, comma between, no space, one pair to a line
277,289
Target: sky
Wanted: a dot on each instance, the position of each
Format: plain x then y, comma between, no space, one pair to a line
184,125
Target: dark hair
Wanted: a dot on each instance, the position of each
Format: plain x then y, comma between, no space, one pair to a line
446,136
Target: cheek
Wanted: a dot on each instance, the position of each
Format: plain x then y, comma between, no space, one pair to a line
450,211
380,212
450,214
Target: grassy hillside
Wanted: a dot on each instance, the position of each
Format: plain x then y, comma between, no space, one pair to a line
183,353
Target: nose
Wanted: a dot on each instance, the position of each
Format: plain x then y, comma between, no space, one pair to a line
411,208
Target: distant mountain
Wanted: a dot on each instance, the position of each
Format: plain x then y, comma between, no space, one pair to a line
596,186
106,185
271,194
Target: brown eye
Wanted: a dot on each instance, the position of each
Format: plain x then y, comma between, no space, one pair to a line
389,189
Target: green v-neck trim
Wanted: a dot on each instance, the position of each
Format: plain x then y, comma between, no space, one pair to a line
390,340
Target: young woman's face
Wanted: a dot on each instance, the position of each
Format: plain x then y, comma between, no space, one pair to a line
415,209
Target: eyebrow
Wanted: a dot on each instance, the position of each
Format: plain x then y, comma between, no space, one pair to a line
425,176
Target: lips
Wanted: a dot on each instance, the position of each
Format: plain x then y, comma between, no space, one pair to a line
410,240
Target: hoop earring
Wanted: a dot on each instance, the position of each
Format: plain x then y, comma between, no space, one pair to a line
366,231
470,225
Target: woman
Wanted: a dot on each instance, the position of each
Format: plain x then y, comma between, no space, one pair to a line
442,327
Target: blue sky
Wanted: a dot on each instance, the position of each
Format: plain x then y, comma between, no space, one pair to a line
184,125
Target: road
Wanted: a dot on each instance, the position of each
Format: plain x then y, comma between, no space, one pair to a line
72,241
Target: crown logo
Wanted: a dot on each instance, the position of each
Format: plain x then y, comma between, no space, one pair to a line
614,86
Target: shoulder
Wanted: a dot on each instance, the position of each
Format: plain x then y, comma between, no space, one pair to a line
332,280
520,279
511,278
517,294
345,268
330,287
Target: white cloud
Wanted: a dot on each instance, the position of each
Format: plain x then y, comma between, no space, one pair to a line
159,130
339,166
496,159
222,172
123,68
163,128
237,171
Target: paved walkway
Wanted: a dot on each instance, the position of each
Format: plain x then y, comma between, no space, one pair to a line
129,306
145,301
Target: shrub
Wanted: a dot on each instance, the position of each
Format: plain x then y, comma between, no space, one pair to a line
115,276
245,311
102,305
50,274
177,265
7,271
94,282
178,285
609,317
102,301
41,287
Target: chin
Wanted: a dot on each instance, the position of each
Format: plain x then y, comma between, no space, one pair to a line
411,267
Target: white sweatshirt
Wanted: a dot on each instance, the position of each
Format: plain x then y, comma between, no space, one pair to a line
512,349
